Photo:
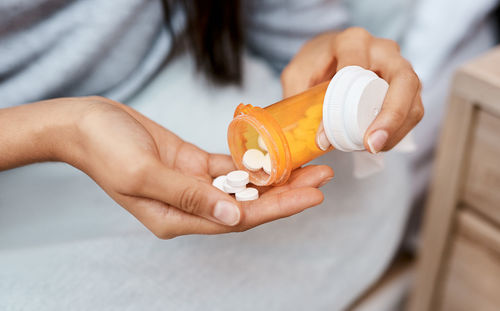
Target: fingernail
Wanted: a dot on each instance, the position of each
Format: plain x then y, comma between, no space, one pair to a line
324,182
227,213
322,141
377,141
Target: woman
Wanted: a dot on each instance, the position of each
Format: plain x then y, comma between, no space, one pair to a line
112,49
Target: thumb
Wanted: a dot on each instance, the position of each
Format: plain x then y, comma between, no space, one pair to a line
191,195
321,139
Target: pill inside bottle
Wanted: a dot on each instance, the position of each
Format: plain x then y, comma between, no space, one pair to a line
285,132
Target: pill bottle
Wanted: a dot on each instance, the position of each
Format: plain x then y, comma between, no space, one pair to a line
346,104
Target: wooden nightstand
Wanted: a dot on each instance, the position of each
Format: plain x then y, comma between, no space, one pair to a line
459,261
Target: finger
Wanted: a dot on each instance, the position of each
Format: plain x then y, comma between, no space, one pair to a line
321,139
263,210
220,164
351,48
166,221
403,87
414,116
189,195
280,205
309,176
313,64
281,201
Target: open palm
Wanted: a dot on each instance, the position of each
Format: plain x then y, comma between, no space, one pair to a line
165,182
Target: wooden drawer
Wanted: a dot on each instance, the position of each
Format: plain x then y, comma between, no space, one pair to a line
482,185
472,273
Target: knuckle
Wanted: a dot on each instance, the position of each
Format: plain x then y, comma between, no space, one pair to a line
410,76
241,228
390,44
135,176
165,227
96,98
97,101
419,85
395,115
164,234
286,74
191,200
414,80
358,32
418,112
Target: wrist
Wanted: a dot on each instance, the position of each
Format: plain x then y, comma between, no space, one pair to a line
35,132
61,134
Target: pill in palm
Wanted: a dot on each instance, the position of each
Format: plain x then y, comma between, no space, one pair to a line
232,189
248,194
267,164
253,159
262,144
219,182
237,179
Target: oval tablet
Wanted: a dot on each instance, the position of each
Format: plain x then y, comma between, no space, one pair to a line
249,194
219,182
231,189
253,159
262,144
266,166
237,178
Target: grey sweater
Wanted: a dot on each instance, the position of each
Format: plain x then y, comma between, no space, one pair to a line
53,48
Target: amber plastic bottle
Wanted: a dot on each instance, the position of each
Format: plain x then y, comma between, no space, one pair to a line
288,129
349,102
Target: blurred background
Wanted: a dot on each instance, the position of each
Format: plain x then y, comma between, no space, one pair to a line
64,244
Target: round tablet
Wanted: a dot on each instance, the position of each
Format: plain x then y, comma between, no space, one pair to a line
232,189
253,159
249,194
237,178
219,182
262,144
266,166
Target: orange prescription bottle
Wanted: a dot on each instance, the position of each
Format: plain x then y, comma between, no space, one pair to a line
347,105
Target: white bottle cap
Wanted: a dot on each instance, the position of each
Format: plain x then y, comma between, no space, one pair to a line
352,101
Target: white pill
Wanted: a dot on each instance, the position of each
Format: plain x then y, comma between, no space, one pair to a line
237,178
248,194
232,189
262,144
253,159
219,182
267,164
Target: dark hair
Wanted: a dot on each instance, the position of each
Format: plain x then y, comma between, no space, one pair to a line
496,14
213,34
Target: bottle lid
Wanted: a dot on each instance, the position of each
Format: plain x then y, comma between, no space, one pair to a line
353,99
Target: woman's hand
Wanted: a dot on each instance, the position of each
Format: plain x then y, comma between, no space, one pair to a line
162,180
321,57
